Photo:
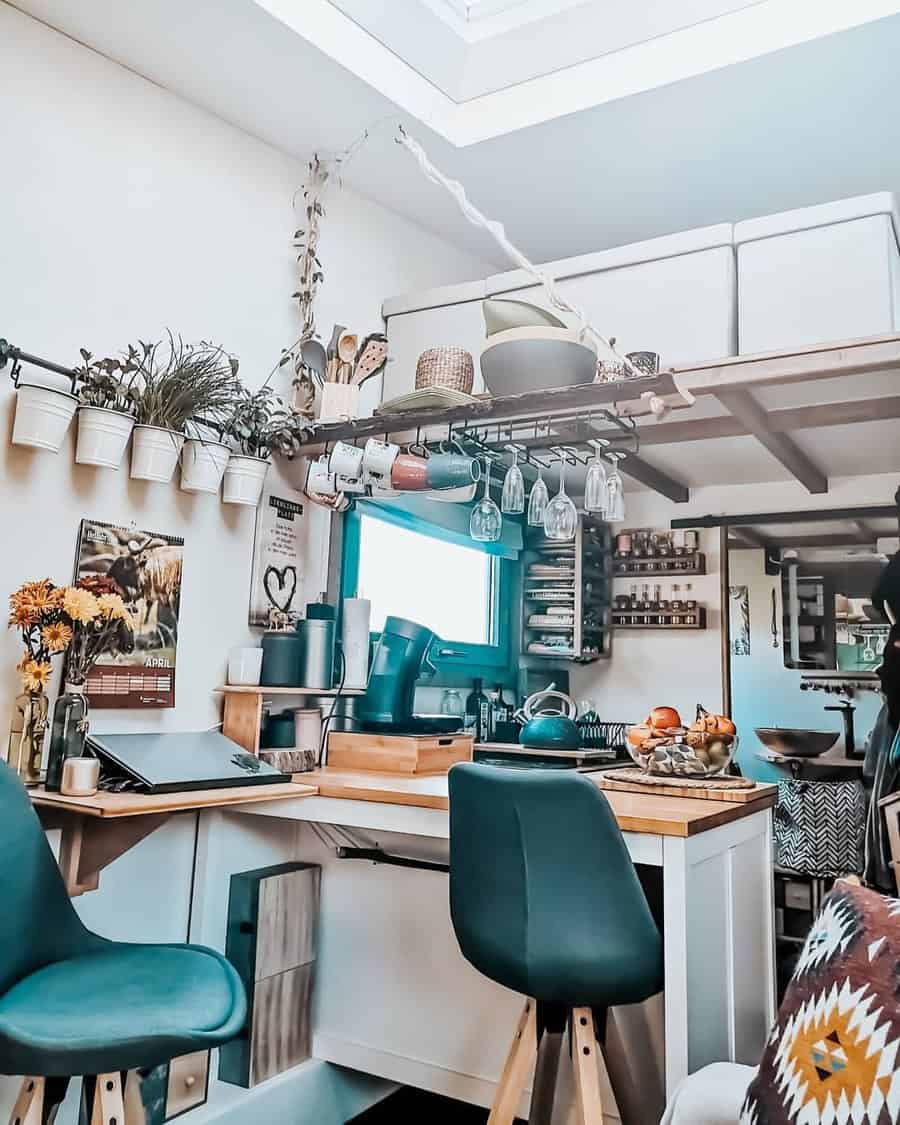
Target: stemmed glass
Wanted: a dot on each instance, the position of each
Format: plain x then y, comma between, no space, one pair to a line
596,483
485,523
512,500
561,517
615,512
538,499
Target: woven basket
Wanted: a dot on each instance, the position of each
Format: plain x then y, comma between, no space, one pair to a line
448,367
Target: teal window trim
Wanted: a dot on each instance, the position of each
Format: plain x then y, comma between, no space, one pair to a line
451,658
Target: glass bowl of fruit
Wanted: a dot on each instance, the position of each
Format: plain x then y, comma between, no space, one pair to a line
663,745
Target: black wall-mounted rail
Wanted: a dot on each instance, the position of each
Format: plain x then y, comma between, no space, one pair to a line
10,353
376,855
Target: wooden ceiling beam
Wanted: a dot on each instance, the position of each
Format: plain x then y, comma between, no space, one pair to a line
779,421
638,469
747,410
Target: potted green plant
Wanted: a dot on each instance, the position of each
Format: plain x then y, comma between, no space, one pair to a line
260,425
180,385
107,400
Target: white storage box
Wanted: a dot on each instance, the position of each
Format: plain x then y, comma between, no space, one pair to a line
673,295
830,272
450,315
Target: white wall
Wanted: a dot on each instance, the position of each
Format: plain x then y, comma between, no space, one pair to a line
681,669
125,210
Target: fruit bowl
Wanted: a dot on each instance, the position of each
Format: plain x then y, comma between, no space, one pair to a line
705,749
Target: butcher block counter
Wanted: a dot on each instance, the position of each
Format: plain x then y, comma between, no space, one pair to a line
635,812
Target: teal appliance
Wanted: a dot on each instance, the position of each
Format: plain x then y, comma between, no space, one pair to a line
400,658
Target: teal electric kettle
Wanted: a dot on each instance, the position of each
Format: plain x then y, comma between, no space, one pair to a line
548,719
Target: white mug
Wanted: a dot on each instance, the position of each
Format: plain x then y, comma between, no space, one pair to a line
346,460
379,458
320,480
349,484
245,666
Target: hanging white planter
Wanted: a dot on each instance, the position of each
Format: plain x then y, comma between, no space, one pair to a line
244,479
154,453
43,416
102,436
202,465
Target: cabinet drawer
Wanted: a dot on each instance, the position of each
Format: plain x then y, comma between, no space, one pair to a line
188,1080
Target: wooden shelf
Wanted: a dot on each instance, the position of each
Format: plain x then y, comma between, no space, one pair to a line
261,689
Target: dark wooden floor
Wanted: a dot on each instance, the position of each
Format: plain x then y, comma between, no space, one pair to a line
415,1105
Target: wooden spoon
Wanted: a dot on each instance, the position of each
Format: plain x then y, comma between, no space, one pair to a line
346,351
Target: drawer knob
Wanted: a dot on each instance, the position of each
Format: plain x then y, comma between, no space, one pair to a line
190,1081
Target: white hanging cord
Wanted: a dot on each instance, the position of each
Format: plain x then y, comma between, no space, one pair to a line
496,231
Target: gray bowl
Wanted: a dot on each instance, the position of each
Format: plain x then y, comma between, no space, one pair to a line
536,359
796,743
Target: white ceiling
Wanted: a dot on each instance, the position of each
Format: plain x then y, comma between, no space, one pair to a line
786,129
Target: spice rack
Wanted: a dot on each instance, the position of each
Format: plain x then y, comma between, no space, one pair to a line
645,554
567,593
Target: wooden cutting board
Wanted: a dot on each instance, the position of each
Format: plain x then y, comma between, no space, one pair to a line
736,789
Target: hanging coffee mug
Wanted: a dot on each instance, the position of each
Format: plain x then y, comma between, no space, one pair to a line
378,458
320,480
346,460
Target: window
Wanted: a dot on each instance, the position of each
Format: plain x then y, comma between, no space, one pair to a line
409,567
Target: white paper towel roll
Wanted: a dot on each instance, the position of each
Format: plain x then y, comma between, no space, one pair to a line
355,638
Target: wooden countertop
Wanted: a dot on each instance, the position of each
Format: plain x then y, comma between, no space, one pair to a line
112,805
635,812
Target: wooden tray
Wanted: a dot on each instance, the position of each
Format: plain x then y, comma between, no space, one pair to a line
737,789
398,753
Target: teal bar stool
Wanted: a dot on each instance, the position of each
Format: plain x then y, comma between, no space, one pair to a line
73,1003
546,901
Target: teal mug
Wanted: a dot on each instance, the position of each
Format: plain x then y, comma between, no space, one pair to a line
451,470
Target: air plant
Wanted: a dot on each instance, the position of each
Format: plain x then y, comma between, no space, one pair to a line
262,424
182,386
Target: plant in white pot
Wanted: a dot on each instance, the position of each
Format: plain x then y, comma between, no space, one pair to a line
260,425
108,402
44,411
179,384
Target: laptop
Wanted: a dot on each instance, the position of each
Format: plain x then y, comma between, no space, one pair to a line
177,763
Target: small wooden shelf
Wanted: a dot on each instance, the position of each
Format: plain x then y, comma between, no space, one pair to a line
634,568
700,623
261,689
242,715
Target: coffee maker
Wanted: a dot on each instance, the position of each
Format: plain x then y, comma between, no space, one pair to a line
400,658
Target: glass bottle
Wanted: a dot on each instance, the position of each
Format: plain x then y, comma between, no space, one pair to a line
655,605
677,606
623,545
478,709
452,704
690,606
68,733
665,616
25,747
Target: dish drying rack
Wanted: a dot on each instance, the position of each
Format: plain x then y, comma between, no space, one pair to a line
566,588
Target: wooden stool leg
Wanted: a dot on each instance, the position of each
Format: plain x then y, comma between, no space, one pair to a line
108,1106
551,1028
516,1069
585,1064
29,1104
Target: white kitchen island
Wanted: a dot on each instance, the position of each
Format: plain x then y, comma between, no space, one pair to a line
394,997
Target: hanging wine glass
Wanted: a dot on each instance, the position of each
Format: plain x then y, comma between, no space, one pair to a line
596,483
538,499
512,499
485,523
561,517
615,512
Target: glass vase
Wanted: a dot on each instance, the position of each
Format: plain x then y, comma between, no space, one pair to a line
68,733
25,749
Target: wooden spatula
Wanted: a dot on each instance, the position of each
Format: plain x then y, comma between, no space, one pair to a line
370,358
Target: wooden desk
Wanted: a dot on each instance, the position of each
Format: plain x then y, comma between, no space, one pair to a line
391,961
654,813
97,830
